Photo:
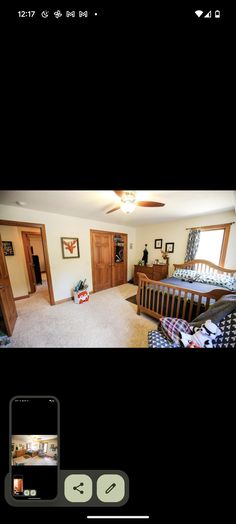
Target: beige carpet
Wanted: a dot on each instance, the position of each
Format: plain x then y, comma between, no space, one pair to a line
107,320
35,461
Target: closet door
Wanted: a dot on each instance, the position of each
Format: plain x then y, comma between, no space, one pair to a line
101,250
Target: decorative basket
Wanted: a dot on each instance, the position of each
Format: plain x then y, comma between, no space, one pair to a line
81,296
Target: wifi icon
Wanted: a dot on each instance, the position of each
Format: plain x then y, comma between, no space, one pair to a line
199,13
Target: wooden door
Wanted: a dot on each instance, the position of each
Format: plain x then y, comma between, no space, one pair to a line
101,246
7,302
119,263
29,261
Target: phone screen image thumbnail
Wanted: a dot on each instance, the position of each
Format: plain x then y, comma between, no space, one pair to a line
18,485
34,456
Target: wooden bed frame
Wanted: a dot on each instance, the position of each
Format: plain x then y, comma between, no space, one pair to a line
177,296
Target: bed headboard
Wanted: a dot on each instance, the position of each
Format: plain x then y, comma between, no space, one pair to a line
204,266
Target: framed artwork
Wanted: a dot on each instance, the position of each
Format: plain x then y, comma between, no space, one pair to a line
169,247
8,248
70,247
158,243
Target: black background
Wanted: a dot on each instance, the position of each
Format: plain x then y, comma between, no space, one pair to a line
34,416
148,100
95,106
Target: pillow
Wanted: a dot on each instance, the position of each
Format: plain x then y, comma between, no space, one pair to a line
225,281
172,326
186,274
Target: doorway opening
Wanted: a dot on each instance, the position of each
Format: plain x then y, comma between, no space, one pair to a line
35,262
45,447
33,277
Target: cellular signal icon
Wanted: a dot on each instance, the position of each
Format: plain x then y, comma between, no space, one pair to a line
199,13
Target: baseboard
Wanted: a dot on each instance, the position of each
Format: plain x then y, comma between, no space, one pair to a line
63,300
69,299
20,298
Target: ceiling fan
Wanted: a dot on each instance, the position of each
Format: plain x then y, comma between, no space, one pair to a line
129,200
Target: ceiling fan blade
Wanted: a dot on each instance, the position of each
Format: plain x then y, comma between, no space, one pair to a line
148,204
119,193
112,210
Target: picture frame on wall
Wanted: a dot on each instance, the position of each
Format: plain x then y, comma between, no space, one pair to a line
8,248
70,247
158,243
169,247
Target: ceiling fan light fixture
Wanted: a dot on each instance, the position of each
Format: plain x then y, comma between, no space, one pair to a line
128,207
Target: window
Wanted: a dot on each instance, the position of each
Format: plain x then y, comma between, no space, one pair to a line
210,245
213,243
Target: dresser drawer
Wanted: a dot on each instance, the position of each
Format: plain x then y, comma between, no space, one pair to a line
148,271
160,272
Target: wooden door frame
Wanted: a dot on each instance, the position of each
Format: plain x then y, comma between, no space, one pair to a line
91,247
45,250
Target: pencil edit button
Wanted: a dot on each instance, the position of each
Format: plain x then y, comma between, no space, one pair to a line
110,488
78,488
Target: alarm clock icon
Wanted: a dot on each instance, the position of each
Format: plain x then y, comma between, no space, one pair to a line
45,14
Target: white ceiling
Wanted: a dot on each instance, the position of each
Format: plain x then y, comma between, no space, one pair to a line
95,204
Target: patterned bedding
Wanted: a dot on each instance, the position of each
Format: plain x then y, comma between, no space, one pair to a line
227,340
228,328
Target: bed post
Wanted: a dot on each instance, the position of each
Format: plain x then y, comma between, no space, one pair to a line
138,293
141,278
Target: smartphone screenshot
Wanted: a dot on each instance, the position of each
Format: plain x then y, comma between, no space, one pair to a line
34,447
119,152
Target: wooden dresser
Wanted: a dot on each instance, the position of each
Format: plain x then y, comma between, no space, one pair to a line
19,452
155,272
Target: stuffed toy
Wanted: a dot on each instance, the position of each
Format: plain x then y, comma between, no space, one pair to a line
202,337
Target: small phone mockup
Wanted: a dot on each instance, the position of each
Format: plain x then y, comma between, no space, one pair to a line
34,447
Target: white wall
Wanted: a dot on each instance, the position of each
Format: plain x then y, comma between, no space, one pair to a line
16,263
67,272
176,232
17,441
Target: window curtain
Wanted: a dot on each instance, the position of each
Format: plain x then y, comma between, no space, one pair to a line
193,244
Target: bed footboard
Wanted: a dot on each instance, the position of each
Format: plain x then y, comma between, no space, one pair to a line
158,299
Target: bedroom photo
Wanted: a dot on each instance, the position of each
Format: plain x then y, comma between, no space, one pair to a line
109,270
34,450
